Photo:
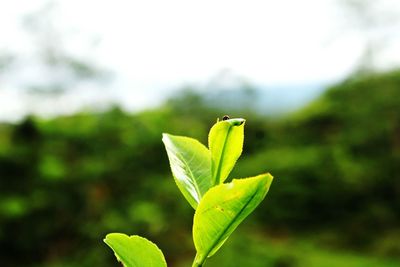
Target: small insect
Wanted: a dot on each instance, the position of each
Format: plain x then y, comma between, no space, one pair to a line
226,117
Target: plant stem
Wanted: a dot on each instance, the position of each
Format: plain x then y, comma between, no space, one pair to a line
198,261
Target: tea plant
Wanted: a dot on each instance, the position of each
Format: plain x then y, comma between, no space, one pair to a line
199,174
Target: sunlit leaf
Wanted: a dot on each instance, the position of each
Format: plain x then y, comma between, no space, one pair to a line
222,209
226,143
191,166
135,251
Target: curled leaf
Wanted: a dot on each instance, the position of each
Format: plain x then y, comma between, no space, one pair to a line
226,144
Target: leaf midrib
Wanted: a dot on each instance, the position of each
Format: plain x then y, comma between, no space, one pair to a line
221,158
191,175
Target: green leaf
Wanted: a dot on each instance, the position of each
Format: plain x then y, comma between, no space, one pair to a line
135,251
190,163
226,143
222,209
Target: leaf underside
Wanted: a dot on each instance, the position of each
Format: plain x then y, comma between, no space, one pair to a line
190,163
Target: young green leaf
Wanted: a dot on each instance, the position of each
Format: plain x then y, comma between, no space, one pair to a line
222,209
226,143
190,163
135,251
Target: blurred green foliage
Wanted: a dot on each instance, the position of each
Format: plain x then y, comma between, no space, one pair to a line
66,182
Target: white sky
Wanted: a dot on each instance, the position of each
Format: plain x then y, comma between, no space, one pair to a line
154,46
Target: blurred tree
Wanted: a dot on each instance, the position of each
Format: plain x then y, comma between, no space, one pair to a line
63,69
377,23
5,61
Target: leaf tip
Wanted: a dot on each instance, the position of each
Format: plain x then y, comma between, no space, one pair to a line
165,138
236,121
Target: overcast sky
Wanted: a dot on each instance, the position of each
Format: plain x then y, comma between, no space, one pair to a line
157,46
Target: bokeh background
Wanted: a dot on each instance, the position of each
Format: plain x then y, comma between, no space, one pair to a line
88,87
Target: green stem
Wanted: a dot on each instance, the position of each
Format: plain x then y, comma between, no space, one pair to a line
198,261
